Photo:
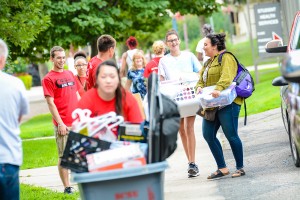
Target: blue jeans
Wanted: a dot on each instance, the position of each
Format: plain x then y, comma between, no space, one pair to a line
9,182
227,118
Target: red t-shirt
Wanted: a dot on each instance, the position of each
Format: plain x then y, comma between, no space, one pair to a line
62,87
92,69
152,66
81,82
92,101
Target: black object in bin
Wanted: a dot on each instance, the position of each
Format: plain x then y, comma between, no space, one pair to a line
164,123
77,147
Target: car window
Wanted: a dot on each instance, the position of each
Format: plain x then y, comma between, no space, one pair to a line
296,36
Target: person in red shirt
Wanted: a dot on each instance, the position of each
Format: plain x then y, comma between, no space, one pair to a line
109,95
80,63
60,90
158,48
106,45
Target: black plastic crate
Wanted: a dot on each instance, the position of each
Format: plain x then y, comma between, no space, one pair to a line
77,147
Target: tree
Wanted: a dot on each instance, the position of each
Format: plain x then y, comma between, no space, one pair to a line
203,7
78,22
21,22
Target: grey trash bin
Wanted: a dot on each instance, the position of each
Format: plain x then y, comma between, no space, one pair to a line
145,183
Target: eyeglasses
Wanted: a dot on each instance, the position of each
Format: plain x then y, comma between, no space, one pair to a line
81,66
174,40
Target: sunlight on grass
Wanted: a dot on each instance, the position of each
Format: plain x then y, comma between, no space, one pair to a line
29,192
266,96
39,153
38,126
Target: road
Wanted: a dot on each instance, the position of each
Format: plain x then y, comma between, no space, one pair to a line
271,173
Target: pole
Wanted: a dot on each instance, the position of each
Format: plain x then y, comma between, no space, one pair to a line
185,34
251,42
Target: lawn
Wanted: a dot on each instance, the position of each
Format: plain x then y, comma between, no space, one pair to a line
39,153
265,97
38,126
29,192
243,53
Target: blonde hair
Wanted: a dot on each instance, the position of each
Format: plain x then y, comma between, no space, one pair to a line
158,47
138,54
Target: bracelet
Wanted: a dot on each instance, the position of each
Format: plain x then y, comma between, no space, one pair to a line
58,125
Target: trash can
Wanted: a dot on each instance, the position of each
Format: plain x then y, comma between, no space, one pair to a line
145,183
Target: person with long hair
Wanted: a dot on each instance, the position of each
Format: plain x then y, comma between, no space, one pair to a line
80,63
109,95
135,75
127,57
221,75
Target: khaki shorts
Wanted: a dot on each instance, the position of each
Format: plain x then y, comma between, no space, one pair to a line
61,141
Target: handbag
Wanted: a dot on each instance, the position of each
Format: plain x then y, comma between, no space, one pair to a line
208,114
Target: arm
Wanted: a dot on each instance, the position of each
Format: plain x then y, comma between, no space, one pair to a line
200,56
62,128
123,65
128,84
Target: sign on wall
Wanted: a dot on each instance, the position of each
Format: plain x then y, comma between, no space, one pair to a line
268,24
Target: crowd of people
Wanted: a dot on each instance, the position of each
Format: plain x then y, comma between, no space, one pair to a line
98,86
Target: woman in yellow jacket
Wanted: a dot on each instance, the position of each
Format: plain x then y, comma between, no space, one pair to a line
222,76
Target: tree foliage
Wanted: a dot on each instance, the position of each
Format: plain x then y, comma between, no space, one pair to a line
22,21
203,7
79,22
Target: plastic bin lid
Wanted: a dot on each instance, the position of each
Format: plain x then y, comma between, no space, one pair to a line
120,173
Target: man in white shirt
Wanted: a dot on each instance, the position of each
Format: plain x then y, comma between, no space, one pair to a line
206,29
13,105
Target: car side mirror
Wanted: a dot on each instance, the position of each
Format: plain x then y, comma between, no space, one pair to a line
275,46
279,81
290,68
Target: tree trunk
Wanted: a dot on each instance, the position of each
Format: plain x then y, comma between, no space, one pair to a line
43,70
94,47
201,23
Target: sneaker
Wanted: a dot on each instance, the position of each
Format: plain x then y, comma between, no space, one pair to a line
69,190
193,170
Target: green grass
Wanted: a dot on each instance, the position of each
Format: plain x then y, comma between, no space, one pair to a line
243,53
29,192
39,153
38,126
265,97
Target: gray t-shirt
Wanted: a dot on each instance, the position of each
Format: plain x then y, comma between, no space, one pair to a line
13,104
173,68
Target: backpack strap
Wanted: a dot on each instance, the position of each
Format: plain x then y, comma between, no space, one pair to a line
238,63
245,109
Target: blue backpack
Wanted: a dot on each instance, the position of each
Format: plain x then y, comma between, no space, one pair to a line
244,81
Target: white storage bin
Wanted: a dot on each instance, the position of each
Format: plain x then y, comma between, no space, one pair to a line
226,97
184,94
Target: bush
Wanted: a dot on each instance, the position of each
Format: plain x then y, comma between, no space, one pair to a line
27,80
